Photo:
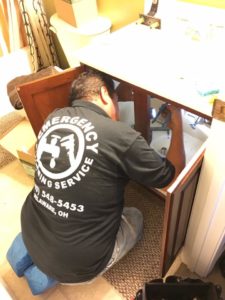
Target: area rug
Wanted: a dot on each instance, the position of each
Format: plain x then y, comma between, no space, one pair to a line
142,263
5,157
7,123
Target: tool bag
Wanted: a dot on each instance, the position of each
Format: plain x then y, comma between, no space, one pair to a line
176,288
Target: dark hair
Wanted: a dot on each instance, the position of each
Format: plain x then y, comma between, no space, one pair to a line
88,85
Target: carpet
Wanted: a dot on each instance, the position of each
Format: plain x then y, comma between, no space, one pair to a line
7,123
142,263
5,157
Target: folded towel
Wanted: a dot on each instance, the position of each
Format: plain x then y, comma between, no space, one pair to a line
206,88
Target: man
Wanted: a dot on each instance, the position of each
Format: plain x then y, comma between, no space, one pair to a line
74,224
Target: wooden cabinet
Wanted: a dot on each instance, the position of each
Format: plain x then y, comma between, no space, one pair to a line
42,96
178,204
180,195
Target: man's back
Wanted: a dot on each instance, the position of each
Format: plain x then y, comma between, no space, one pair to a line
77,200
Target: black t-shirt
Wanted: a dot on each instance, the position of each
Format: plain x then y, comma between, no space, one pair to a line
83,162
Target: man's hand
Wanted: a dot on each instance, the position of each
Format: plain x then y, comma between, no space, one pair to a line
174,115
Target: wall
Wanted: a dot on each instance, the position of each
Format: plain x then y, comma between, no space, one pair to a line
8,63
120,12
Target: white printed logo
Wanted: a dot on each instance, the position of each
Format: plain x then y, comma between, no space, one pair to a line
53,145
65,151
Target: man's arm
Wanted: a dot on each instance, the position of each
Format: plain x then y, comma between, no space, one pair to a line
176,152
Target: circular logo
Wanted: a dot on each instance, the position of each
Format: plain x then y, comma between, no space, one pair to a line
67,148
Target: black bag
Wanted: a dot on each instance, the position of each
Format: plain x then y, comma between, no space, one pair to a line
176,288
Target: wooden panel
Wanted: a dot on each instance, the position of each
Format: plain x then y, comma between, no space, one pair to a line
141,110
42,96
178,205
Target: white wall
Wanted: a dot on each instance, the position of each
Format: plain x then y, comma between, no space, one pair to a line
205,240
12,65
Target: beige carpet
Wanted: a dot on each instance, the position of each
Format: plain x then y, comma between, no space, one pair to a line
141,264
5,157
7,123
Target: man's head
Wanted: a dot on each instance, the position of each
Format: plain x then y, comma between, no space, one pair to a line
98,88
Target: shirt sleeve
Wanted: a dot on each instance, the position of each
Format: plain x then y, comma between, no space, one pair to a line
144,165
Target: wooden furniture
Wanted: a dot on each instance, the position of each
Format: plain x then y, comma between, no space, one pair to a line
178,205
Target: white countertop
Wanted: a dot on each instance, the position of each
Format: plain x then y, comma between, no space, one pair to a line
167,65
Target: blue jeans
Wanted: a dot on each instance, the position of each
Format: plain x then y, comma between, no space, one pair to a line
130,232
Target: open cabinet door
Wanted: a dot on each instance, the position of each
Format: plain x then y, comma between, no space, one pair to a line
40,97
178,204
